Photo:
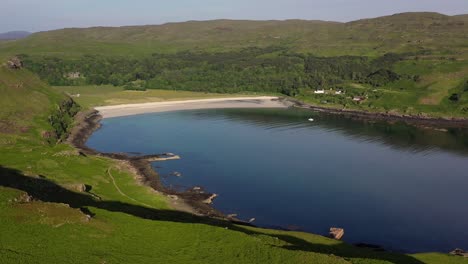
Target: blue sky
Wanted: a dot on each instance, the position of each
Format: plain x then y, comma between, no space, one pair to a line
37,15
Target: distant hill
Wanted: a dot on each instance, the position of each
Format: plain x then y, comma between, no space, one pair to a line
370,37
463,17
12,35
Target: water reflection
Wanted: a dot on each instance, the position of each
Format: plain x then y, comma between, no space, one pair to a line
397,135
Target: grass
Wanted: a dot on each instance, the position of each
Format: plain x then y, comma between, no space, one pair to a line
138,227
429,96
442,67
370,37
91,95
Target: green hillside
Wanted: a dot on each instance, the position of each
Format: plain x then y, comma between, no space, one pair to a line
47,216
398,33
58,205
405,64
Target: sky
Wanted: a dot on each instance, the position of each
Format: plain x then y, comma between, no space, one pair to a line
40,15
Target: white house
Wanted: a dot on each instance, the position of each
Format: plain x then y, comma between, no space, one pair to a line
321,91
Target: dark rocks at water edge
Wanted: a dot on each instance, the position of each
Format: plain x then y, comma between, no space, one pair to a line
459,252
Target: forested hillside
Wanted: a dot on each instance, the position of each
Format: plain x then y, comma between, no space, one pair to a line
253,69
410,63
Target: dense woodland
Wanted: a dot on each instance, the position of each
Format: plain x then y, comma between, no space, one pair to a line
252,69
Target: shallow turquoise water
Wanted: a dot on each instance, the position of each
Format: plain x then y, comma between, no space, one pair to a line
392,185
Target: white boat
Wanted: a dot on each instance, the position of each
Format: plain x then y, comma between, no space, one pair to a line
311,119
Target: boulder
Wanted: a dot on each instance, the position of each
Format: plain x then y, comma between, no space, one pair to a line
177,174
76,187
15,63
23,198
231,215
210,199
459,252
336,233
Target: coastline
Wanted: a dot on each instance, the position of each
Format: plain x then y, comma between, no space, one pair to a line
215,103
189,201
194,200
416,120
422,121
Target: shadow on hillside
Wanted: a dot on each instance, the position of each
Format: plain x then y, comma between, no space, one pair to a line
48,191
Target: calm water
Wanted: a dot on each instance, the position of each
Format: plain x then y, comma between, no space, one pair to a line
391,185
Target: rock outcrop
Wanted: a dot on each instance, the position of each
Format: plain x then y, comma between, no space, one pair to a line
23,198
210,199
336,233
76,187
459,252
14,63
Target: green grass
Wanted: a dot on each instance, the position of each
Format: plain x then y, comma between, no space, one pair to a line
429,96
92,95
442,68
137,227
371,37
136,224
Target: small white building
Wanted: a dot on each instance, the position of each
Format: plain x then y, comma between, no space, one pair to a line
338,92
321,91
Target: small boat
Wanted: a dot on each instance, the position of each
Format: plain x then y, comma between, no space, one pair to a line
311,119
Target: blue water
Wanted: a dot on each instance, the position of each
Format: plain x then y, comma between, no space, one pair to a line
403,188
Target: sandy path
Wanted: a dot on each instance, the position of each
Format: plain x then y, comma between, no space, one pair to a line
120,191
233,102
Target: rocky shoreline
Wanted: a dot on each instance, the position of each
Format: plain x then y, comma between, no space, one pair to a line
196,198
416,120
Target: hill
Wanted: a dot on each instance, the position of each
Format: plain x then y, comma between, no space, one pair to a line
12,35
404,64
377,36
60,206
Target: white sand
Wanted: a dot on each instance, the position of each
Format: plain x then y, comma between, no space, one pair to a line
234,102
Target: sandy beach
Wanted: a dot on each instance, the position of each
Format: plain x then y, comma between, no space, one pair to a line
233,102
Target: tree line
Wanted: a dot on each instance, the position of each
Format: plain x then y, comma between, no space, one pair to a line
254,69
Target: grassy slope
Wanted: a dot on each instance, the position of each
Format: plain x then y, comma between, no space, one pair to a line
429,96
123,230
444,36
397,33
